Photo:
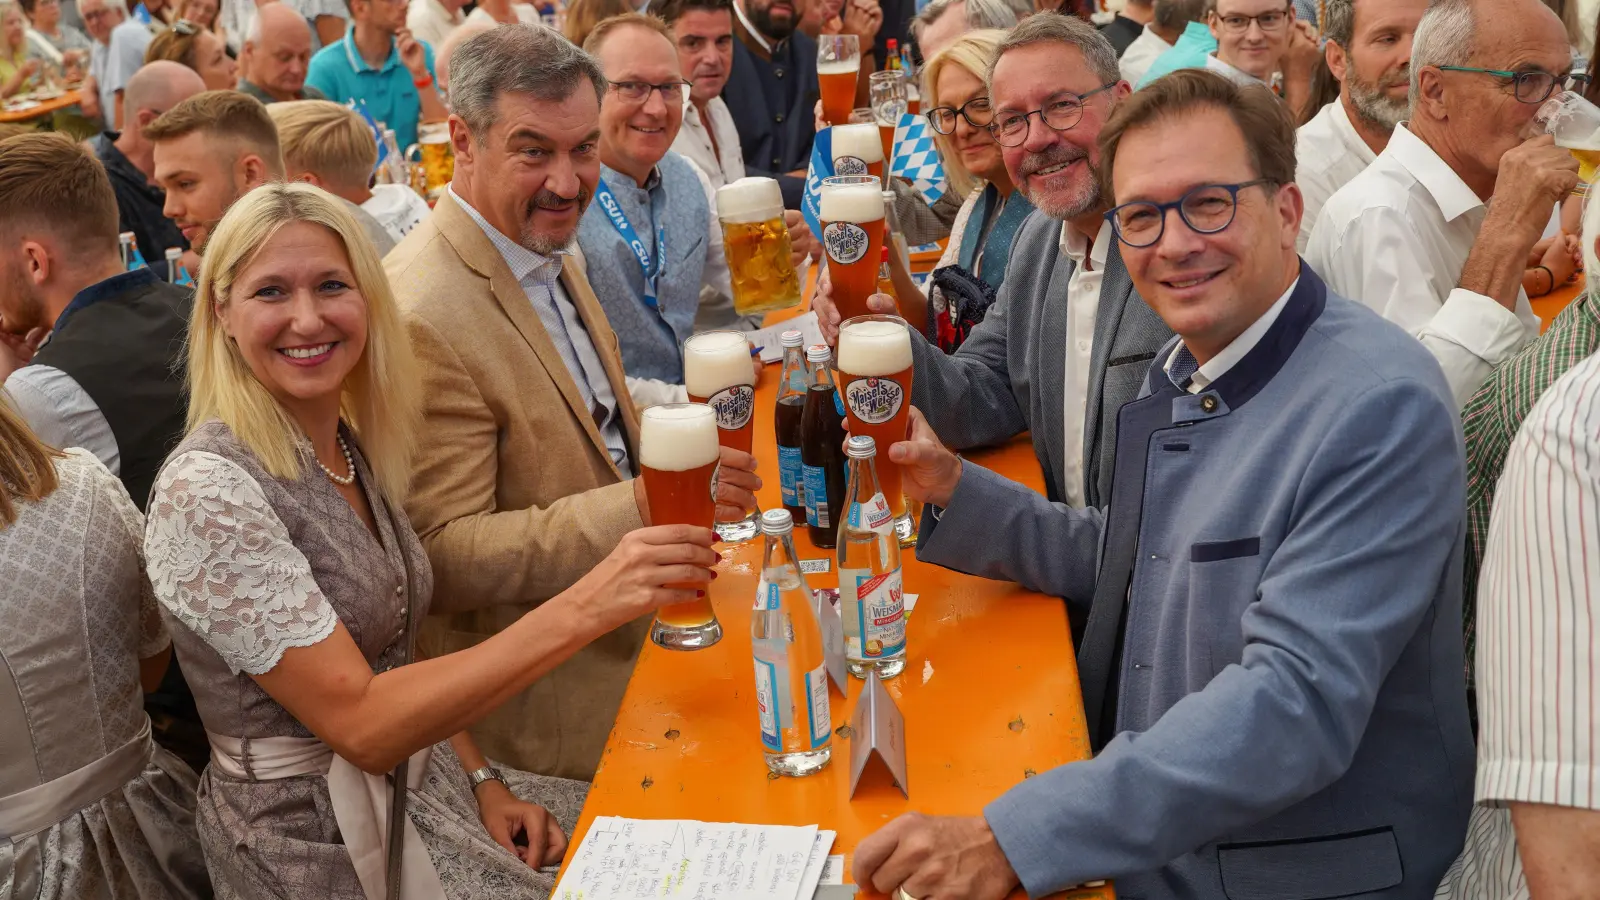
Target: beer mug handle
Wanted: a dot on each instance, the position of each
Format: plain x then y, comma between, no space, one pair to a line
413,153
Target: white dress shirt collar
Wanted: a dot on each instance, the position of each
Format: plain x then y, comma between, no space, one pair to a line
1076,246
1237,349
1449,192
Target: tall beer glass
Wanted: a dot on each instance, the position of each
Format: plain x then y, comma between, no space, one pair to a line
718,372
1575,124
888,102
678,454
851,210
875,383
858,150
757,245
838,65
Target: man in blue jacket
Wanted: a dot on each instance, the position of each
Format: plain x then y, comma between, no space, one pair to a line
1271,669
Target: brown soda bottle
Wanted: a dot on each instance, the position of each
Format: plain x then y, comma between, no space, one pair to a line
793,386
822,460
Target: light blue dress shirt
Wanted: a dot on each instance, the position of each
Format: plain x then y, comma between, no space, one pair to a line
1190,52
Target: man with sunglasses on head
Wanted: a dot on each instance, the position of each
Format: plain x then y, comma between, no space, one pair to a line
1414,236
1068,340
1271,673
651,238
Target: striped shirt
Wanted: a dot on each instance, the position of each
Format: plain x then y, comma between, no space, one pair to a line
1537,663
1491,419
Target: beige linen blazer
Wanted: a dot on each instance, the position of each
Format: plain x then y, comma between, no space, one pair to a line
513,492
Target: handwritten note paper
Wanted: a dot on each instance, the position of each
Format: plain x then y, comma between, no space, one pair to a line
634,859
770,339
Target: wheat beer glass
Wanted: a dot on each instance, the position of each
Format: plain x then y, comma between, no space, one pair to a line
678,454
858,150
757,245
718,372
888,101
1575,124
875,369
851,210
838,65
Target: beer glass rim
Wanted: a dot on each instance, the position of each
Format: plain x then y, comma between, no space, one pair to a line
887,75
654,410
829,41
716,332
873,317
851,181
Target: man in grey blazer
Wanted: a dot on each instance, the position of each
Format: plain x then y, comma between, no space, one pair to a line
1272,668
1068,341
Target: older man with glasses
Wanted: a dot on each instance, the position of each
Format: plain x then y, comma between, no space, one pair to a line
651,238
1414,236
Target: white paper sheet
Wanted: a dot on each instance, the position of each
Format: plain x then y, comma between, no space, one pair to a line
634,859
770,339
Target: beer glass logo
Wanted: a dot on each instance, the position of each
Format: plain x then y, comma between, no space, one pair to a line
874,400
846,242
733,406
849,165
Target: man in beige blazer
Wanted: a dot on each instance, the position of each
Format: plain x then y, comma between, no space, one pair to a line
524,477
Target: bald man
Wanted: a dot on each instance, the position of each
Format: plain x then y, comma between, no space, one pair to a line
276,51
129,160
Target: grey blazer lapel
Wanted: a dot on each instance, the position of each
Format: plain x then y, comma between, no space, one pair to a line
1049,353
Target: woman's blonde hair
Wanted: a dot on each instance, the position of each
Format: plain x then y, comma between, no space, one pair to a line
380,401
972,51
27,466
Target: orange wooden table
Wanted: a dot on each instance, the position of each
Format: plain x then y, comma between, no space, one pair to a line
990,697
1550,305
45,108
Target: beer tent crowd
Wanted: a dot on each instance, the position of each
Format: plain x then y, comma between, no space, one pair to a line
309,487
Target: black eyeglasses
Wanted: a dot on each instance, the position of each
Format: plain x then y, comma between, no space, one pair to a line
639,91
976,111
1270,22
1062,112
1530,87
1207,209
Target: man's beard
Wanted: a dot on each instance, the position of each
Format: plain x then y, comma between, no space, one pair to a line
761,18
1373,105
547,244
1084,200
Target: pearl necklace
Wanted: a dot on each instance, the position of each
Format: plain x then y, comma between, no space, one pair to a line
350,465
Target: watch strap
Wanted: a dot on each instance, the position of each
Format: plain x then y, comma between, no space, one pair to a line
487,773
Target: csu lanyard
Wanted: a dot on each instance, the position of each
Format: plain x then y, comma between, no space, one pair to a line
650,265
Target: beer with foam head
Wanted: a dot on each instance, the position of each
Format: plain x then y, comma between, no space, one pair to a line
851,210
718,372
875,373
757,245
858,150
678,453
838,66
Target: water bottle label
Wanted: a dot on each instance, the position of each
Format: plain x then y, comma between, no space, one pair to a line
874,515
766,594
733,406
767,705
817,711
874,401
881,614
797,380
838,404
789,476
816,482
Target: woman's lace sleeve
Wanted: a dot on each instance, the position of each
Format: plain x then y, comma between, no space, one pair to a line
223,564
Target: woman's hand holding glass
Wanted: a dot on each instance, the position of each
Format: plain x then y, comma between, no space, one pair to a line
629,582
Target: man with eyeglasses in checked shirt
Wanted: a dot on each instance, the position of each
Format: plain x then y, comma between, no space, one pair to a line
1414,236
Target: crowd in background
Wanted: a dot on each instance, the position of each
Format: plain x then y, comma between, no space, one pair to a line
319,486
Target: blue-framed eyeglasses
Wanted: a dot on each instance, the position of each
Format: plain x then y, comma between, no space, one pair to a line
1532,86
1207,209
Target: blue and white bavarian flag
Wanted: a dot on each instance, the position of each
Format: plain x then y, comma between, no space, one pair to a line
916,159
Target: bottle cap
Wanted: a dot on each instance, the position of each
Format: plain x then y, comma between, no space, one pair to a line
174,253
883,256
792,338
861,446
818,353
126,237
777,522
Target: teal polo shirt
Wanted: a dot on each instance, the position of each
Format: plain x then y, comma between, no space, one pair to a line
1190,52
387,92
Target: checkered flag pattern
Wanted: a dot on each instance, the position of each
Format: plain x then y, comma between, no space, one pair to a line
915,157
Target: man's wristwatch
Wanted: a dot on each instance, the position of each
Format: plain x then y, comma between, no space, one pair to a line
487,773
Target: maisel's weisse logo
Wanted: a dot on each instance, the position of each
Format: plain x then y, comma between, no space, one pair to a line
874,400
846,242
733,406
849,165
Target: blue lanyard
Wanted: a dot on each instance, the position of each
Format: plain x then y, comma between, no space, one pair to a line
649,265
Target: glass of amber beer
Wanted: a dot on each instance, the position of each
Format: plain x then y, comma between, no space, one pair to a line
838,65
757,244
851,210
678,454
718,372
858,150
875,383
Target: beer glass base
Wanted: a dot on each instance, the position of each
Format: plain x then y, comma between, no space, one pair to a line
905,528
887,668
800,763
686,637
738,532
